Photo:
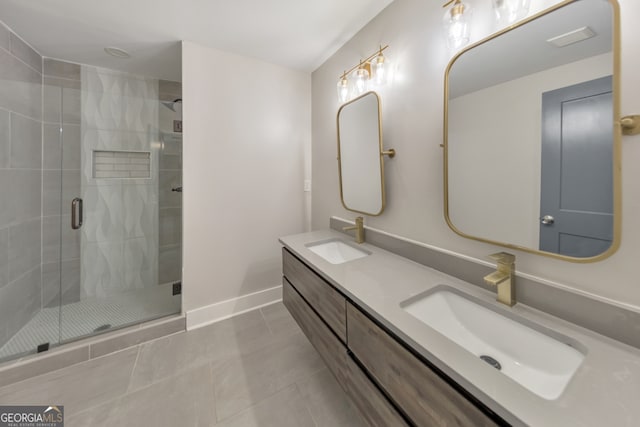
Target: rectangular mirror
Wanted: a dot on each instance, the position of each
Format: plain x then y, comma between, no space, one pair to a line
532,156
360,155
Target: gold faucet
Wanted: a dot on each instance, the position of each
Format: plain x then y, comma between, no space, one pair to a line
359,227
504,277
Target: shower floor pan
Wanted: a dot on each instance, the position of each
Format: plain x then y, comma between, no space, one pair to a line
87,317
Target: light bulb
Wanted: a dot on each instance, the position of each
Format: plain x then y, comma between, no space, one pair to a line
510,11
362,81
379,70
343,89
456,24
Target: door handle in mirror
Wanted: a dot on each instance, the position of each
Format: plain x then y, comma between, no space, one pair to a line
630,125
547,220
76,219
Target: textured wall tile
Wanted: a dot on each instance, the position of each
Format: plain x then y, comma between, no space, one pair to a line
140,262
104,212
23,51
26,143
117,112
102,269
140,217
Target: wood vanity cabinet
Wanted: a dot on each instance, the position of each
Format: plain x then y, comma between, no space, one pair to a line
380,376
326,301
416,389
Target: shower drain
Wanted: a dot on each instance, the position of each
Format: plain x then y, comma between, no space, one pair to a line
102,327
491,361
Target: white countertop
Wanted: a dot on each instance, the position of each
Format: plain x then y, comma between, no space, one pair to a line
605,390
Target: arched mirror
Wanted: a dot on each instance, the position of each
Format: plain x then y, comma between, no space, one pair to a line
360,155
532,138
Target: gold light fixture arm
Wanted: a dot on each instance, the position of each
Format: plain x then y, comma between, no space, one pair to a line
630,125
365,62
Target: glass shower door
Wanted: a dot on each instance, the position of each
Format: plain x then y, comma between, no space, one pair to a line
113,192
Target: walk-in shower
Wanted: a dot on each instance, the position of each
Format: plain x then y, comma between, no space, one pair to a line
90,229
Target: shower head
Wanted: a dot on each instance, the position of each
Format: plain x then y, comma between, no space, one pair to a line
172,104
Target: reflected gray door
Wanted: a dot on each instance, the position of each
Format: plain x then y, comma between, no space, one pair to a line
576,200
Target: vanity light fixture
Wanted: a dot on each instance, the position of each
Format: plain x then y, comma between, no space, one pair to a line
371,71
343,88
456,24
362,76
509,11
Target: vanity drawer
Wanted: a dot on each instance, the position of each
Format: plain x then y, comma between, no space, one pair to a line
423,396
326,301
325,342
373,406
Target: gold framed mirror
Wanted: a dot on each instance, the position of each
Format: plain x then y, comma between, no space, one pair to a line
532,134
361,155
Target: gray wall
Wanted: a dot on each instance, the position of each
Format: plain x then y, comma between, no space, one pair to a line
119,238
20,183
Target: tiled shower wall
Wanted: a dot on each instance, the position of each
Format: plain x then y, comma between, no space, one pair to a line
20,183
61,174
120,234
170,266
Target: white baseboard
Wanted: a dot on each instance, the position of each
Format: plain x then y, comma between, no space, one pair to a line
232,307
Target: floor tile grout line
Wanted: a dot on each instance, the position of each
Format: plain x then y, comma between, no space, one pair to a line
306,401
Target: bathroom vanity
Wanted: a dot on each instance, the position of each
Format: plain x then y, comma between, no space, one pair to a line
359,312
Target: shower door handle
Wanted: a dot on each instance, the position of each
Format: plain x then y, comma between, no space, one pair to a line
76,213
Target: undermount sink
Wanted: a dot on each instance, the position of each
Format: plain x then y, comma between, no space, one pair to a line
337,251
541,363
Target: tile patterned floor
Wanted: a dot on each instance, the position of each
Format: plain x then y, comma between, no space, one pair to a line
254,370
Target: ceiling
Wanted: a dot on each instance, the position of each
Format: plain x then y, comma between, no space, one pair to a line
299,34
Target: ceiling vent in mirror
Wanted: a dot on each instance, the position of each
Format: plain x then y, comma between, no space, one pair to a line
117,52
572,37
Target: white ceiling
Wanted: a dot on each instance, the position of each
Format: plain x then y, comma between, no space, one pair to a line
299,34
